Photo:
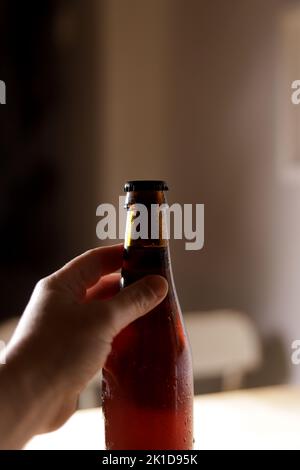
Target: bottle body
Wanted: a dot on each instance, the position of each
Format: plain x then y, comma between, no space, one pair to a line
148,380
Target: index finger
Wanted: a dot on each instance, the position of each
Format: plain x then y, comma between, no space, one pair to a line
84,271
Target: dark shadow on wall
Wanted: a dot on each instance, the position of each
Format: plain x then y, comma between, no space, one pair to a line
30,177
50,59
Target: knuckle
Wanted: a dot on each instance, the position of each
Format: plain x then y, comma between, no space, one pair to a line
46,283
42,284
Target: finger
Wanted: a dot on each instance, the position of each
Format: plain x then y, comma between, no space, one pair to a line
85,270
107,287
134,301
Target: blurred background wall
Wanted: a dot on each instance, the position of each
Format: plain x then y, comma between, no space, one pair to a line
191,97
100,92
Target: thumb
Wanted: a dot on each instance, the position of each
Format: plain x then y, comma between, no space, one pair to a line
134,301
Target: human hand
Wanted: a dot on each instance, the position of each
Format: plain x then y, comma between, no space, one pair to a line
65,335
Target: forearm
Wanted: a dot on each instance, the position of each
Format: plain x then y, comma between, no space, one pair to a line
20,412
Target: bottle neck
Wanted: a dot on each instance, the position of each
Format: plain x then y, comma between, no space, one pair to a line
146,223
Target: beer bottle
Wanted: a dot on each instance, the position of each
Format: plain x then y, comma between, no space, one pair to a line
148,379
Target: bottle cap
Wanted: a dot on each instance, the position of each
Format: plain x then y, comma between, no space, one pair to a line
145,185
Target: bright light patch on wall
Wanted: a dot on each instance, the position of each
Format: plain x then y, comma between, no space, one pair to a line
288,113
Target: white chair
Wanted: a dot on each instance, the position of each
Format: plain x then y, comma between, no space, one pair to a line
224,344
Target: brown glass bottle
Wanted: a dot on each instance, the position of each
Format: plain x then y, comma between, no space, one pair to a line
148,379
